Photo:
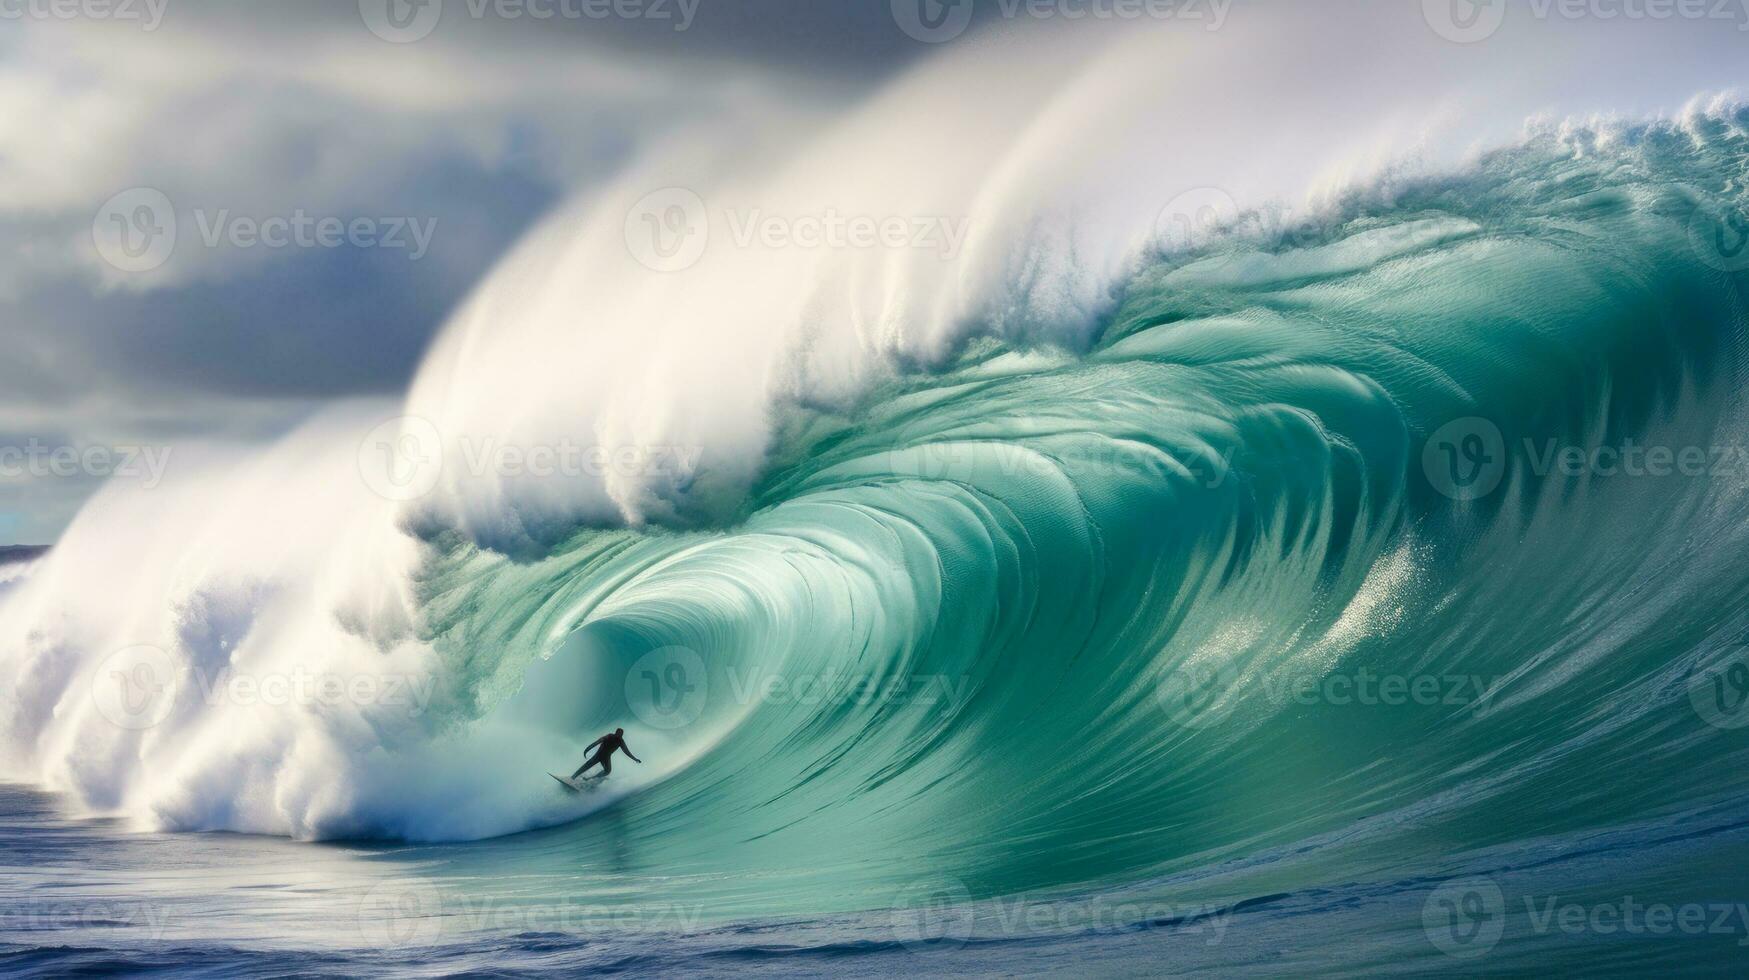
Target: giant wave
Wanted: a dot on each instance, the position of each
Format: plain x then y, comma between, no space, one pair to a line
1007,566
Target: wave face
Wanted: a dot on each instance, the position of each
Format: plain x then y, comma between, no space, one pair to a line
1018,610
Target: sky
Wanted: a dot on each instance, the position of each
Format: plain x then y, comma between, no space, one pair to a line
399,164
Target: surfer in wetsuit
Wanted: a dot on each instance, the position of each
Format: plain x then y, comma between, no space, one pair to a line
604,755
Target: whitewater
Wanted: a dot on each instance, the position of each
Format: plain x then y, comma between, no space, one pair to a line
1043,548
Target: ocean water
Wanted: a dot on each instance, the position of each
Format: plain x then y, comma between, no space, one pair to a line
1262,604
92,897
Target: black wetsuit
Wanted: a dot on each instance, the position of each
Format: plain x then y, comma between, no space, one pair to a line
604,754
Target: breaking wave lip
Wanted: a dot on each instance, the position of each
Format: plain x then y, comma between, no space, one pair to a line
1212,477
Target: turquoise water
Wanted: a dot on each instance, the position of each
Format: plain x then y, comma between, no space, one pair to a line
1265,632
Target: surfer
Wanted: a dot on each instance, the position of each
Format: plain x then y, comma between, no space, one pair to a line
604,755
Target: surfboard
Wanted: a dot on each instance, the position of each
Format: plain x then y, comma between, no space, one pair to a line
573,787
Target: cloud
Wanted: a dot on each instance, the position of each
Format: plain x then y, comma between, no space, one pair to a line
244,213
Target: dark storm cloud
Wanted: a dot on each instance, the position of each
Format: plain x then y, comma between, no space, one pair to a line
305,322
